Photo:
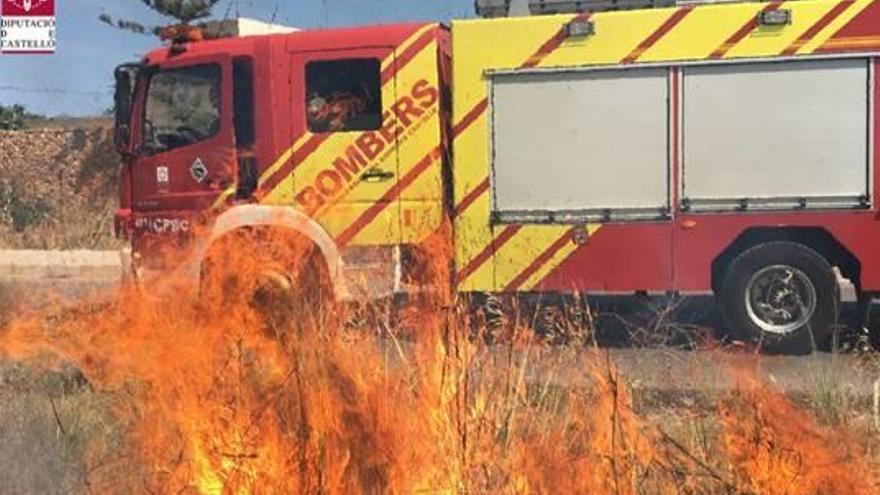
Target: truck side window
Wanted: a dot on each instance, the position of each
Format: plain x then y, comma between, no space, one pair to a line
344,95
183,107
243,102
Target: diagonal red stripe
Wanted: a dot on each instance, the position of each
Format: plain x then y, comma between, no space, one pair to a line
470,117
742,32
818,26
658,33
312,144
552,44
373,211
410,53
290,165
506,234
406,180
471,197
410,177
466,121
539,261
535,59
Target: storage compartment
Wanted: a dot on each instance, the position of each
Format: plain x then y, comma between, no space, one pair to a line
579,146
776,135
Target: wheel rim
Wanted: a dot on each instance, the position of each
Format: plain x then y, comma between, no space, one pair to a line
780,299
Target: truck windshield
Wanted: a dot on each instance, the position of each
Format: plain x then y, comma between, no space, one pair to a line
182,108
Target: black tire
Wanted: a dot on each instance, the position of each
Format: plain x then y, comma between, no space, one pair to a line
282,276
802,291
870,318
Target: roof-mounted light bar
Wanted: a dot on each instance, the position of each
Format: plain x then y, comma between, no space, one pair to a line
181,33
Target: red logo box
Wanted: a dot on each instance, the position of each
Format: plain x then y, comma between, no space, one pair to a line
28,8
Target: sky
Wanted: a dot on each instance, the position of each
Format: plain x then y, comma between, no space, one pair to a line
78,79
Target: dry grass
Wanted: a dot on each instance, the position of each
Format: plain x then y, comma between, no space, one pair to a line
58,436
195,400
61,437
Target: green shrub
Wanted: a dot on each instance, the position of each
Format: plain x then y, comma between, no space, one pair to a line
12,118
19,211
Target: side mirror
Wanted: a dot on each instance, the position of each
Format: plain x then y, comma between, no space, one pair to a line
126,76
122,136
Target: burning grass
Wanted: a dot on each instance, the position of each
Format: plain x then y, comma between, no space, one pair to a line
214,397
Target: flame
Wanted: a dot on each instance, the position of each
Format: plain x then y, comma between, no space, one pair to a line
247,389
775,450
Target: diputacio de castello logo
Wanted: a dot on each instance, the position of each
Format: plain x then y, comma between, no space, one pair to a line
27,26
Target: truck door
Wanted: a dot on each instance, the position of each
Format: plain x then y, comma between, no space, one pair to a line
186,139
346,160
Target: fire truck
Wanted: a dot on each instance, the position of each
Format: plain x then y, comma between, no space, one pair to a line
591,147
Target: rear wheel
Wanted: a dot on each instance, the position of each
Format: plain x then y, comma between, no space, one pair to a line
782,296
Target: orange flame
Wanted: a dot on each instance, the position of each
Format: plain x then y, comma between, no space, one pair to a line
241,391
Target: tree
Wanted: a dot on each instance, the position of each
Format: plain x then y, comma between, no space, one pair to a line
182,11
12,118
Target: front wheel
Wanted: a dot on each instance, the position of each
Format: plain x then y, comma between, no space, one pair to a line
782,296
281,276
